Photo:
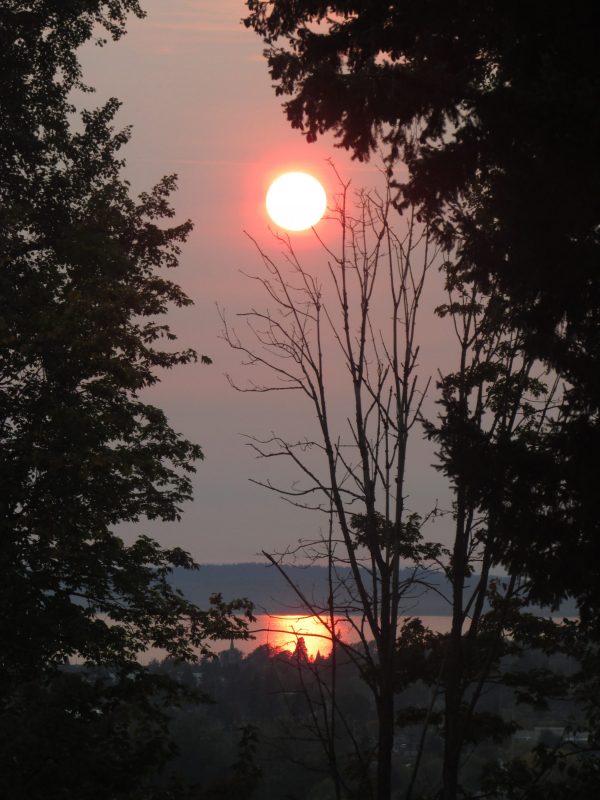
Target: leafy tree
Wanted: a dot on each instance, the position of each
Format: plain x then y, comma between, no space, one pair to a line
244,775
81,452
563,764
493,108
495,394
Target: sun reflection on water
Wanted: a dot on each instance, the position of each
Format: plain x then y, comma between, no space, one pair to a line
284,631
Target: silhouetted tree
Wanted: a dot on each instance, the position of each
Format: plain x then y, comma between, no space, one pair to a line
493,109
495,394
81,452
360,313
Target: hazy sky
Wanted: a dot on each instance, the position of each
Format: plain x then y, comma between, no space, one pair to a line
196,89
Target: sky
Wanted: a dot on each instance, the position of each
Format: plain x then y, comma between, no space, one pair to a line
196,90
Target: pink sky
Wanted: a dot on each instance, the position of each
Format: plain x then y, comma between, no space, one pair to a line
196,89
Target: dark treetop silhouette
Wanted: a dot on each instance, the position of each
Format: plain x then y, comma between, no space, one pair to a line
81,296
493,107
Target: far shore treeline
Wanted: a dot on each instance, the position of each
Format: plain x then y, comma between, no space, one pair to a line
272,594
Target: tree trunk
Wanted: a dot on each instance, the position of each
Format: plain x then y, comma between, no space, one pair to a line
385,709
452,743
452,710
385,704
454,663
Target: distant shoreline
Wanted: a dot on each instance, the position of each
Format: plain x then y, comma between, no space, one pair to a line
264,586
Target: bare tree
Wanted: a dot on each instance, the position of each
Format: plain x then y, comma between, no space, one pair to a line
355,321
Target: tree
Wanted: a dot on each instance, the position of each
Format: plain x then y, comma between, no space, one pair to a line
496,394
492,108
354,471
80,331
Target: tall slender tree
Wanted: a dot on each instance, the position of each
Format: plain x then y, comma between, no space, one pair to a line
495,394
356,323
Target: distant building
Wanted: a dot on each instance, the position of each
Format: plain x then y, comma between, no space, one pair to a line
230,656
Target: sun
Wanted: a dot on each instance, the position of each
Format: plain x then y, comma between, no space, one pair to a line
296,201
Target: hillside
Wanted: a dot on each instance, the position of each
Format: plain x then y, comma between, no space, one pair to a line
263,584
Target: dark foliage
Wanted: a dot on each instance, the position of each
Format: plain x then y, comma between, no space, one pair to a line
81,296
493,107
277,695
